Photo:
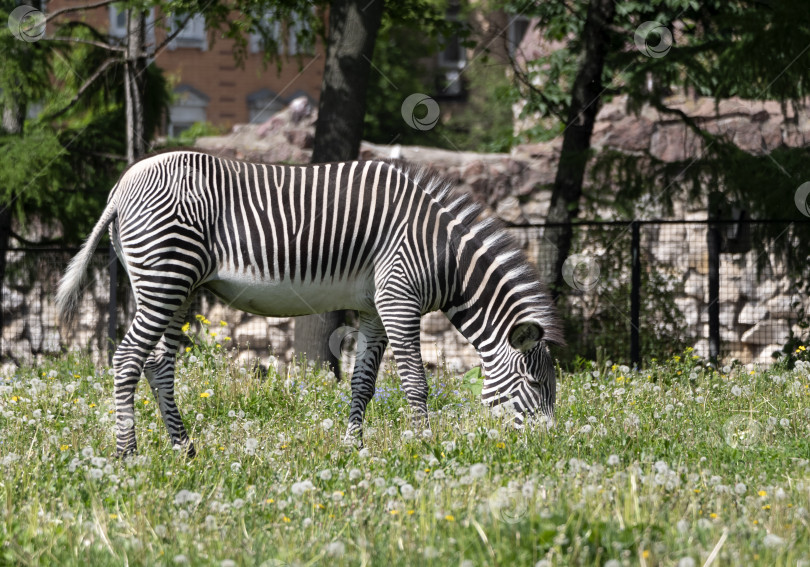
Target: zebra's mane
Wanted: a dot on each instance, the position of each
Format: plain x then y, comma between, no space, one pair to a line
489,232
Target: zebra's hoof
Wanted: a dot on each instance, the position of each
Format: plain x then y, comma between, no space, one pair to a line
125,454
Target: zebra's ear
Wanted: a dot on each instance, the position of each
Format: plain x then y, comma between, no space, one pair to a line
525,336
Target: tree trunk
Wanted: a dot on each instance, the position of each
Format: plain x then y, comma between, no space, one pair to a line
13,123
585,102
353,27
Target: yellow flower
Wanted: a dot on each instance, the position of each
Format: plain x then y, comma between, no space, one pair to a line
206,322
113,516
145,402
645,554
762,493
205,395
186,327
188,349
766,507
286,520
501,445
394,512
15,398
92,405
213,335
449,518
223,324
219,345
76,376
226,339
713,516
64,447
269,501
199,317
410,512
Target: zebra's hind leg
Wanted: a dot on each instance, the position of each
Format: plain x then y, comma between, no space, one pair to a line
159,371
366,365
401,319
158,301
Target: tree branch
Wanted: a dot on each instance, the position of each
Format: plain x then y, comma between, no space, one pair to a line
78,8
172,35
523,78
100,44
103,67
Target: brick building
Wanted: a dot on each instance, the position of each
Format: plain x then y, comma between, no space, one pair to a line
207,83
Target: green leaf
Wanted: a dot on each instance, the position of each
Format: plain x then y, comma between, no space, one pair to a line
473,381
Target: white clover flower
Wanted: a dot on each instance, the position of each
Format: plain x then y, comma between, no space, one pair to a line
327,424
686,562
53,374
478,470
585,429
430,552
227,563
37,413
354,474
683,526
236,466
306,523
238,503
736,391
407,491
179,559
613,563
740,488
784,422
96,474
98,462
613,460
392,491
493,434
87,452
250,445
407,435
449,446
364,453
325,474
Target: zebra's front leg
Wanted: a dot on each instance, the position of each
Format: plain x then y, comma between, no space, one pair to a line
401,319
364,378
159,371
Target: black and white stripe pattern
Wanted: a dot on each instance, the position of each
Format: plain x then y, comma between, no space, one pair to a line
281,240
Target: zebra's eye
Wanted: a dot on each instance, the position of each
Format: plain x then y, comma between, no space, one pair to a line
525,336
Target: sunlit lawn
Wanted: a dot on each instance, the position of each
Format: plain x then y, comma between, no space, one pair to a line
671,466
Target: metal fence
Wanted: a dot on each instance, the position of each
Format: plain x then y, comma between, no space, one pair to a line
634,291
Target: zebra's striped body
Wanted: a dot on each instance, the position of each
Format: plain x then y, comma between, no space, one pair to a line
281,240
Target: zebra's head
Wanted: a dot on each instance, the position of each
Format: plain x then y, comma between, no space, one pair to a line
520,371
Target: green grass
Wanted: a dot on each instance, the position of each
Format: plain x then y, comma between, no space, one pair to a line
661,467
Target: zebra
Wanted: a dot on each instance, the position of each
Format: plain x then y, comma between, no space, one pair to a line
389,241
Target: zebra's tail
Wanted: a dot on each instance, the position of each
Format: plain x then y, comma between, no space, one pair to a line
70,286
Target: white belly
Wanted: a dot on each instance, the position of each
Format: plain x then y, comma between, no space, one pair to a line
289,299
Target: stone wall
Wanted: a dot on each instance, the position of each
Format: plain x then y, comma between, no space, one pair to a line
756,315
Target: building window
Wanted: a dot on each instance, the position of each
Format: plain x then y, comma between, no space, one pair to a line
118,23
193,33
189,107
271,28
452,59
298,37
263,104
518,26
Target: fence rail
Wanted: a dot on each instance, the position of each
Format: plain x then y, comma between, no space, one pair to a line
635,290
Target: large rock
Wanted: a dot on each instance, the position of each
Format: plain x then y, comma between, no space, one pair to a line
767,332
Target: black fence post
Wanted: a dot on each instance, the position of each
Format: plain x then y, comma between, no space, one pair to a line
112,325
635,295
713,242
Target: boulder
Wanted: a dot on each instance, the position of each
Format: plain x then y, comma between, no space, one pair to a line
767,332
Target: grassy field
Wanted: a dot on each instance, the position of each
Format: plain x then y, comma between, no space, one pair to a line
675,465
